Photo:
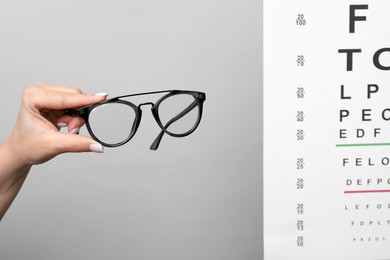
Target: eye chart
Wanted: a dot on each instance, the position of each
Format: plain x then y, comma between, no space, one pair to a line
326,130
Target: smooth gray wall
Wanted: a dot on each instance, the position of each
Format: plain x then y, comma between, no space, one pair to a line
198,197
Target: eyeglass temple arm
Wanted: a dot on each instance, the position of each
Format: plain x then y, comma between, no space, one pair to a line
157,141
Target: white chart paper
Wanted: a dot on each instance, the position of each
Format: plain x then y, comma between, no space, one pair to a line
326,130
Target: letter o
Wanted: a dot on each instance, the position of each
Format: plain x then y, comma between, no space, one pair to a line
385,161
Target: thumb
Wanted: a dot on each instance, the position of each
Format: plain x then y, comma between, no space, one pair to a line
77,144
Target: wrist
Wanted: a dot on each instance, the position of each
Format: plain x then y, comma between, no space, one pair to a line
12,176
12,161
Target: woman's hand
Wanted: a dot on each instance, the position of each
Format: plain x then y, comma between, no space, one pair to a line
36,137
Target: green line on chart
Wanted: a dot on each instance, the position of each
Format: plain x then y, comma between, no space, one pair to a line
366,144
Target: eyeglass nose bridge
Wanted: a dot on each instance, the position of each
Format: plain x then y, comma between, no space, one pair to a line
146,103
153,110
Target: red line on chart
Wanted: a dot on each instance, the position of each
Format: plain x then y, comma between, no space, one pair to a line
365,191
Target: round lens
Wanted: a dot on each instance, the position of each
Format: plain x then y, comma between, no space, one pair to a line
179,113
112,123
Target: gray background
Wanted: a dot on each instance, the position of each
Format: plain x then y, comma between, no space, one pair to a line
198,197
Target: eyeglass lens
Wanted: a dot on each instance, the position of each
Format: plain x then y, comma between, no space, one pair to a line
173,113
112,123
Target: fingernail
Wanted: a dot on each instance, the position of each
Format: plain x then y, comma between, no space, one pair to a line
97,148
75,131
62,124
102,94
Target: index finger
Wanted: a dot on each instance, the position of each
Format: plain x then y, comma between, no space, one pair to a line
49,99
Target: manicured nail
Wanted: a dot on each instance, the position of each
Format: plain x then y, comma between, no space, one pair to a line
97,148
102,94
75,131
62,124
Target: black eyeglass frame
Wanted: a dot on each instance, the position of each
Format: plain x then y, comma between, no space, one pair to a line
199,98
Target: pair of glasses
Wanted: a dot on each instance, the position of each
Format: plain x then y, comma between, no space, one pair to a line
115,121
